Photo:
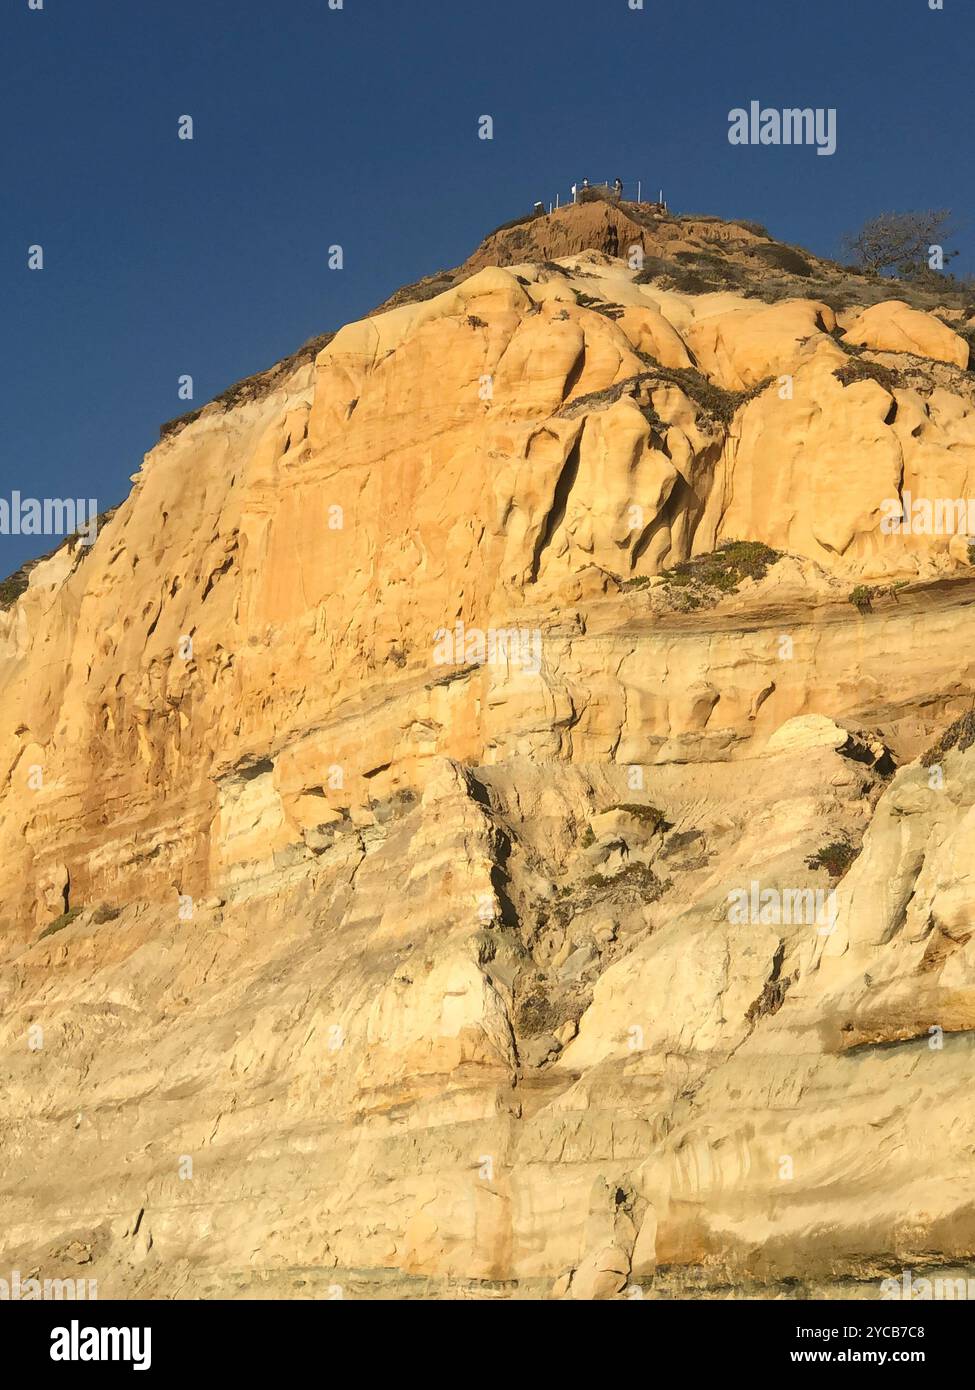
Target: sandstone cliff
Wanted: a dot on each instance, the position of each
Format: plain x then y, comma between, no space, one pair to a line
375,788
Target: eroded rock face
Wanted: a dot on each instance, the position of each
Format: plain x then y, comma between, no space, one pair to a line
422,863
897,327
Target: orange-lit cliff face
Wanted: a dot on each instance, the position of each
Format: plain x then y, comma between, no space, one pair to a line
400,744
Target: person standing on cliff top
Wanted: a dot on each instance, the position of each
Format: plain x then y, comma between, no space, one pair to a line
618,190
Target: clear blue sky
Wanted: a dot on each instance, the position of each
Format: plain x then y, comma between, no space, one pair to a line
359,127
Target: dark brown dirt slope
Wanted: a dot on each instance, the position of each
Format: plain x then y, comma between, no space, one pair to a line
693,254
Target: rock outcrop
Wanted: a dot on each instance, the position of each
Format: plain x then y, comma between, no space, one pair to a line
458,837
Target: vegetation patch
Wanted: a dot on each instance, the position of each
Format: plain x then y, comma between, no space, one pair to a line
703,580
769,1001
715,402
960,735
863,595
542,1007
756,228
968,336
400,803
784,258
596,400
860,370
17,583
636,879
427,288
12,588
515,222
608,309
649,815
900,241
253,388
535,1013
59,923
699,273
835,858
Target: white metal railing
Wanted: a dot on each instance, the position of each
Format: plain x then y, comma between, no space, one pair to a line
606,190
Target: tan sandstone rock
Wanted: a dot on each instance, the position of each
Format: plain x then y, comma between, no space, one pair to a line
379,793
